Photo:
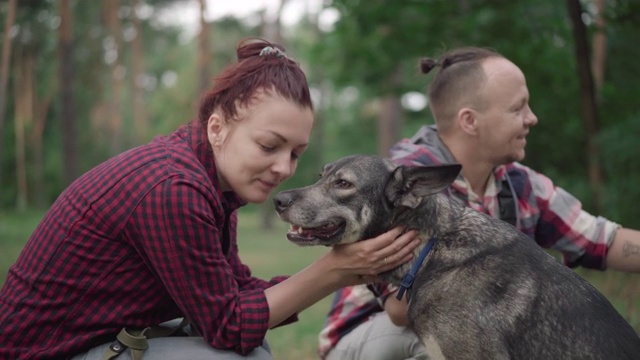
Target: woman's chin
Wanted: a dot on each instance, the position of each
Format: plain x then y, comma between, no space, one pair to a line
257,197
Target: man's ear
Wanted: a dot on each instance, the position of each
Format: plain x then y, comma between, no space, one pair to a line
408,185
468,121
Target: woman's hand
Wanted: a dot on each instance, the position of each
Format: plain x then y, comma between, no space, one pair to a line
360,262
343,265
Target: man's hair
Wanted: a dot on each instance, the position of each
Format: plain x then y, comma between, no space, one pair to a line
457,83
261,66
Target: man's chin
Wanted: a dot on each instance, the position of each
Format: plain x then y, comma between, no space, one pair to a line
517,155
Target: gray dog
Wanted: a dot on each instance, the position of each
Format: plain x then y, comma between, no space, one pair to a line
484,290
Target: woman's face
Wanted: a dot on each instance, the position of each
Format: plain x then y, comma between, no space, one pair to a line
259,150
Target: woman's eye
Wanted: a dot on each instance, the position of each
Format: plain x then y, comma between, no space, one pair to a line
343,184
266,148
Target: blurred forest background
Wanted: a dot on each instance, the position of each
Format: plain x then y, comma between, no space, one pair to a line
81,81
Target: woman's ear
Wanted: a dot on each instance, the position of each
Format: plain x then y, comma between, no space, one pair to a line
468,121
215,129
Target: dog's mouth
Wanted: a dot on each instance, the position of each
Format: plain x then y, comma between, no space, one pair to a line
321,235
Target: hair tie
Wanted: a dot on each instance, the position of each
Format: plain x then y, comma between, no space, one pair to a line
268,50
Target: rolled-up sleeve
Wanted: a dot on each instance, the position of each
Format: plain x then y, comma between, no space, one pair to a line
583,239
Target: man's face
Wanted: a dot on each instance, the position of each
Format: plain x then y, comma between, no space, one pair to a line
504,123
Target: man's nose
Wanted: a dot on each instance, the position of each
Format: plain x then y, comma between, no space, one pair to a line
532,119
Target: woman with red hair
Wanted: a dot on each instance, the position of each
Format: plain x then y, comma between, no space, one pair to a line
150,236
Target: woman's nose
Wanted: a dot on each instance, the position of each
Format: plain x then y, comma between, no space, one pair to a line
283,166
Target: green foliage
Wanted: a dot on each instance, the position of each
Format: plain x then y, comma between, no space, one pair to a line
373,39
620,150
170,82
372,51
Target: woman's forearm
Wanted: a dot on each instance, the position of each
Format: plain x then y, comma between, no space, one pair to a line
300,291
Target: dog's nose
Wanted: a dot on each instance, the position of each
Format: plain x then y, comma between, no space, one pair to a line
282,201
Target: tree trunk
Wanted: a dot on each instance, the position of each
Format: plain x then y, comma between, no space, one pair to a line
272,30
114,109
390,118
23,90
599,49
317,78
389,121
588,101
204,50
4,68
37,133
67,75
140,120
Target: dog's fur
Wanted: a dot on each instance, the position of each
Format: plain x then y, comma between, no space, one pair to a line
485,291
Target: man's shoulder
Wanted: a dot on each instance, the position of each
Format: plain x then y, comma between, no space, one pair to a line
423,148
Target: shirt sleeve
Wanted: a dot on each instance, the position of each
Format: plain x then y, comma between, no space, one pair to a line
583,239
247,281
180,234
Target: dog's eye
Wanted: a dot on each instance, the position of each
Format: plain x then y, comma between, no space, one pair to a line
343,184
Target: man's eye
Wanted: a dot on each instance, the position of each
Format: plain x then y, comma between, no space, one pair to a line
343,184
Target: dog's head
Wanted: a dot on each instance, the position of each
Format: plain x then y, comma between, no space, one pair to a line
358,197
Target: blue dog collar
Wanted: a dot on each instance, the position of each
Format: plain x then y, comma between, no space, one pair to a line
407,281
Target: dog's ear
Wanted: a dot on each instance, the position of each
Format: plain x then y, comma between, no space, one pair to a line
409,184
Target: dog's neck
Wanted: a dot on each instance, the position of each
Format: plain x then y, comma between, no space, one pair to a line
431,222
437,218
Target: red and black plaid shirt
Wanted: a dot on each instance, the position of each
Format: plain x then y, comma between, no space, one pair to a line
143,238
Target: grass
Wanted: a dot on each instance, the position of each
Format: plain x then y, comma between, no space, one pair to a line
269,253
